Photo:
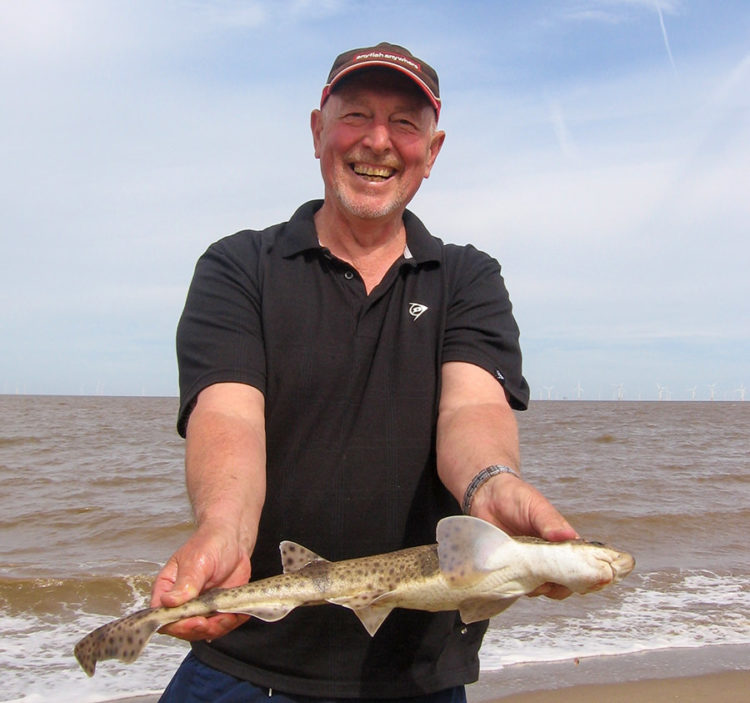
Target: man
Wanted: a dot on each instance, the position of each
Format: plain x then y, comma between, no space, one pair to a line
346,381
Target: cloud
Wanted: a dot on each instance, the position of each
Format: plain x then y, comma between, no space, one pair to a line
611,190
665,36
562,132
244,15
617,11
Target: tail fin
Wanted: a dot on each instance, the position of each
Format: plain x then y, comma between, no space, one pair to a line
122,639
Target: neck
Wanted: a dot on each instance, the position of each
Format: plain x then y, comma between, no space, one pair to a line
370,246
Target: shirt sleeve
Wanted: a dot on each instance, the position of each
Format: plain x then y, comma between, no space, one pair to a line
219,336
480,327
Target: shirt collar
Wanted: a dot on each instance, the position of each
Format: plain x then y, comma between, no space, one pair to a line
300,235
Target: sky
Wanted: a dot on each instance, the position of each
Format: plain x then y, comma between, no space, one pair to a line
599,149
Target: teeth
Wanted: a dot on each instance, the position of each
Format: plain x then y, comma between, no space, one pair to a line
379,171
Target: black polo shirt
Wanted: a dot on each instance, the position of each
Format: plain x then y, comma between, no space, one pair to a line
352,384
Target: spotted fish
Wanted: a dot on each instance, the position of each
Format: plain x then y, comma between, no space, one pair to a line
474,568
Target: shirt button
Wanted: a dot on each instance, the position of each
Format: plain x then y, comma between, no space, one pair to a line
349,275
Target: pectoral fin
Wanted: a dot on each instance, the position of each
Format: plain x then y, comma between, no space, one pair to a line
366,608
268,612
483,609
469,548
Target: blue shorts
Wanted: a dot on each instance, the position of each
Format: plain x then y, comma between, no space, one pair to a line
194,682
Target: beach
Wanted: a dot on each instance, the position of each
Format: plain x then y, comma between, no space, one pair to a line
612,683
95,503
728,687
700,675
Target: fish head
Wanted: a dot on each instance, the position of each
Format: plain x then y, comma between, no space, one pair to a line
612,564
622,565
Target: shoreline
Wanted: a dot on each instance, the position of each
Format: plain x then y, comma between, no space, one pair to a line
693,675
727,686
647,675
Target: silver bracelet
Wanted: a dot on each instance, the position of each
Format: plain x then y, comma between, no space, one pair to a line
480,479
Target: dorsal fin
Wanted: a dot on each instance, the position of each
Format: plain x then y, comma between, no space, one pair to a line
295,557
469,548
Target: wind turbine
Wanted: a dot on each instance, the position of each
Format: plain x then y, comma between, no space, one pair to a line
579,391
620,394
741,391
712,390
661,390
692,392
549,391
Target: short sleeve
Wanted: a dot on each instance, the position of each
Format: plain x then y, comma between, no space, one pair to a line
480,327
219,336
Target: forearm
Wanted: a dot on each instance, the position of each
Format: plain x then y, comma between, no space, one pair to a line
476,429
473,437
225,460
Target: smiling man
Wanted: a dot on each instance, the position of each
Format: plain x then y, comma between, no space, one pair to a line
346,381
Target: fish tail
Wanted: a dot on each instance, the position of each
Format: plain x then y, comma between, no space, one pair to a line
122,639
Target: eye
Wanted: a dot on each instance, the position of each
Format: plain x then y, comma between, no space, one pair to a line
406,123
354,117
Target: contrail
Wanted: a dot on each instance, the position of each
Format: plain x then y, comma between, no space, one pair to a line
664,34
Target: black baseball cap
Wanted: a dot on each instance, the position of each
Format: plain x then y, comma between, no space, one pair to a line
388,56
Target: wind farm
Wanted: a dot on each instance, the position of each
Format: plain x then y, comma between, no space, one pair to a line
710,392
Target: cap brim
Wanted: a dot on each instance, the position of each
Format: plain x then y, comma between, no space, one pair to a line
434,100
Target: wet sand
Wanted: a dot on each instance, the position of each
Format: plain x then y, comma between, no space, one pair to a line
727,687
689,675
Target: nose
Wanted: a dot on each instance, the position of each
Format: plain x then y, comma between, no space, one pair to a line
378,137
622,565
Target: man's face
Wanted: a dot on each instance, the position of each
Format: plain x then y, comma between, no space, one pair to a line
376,140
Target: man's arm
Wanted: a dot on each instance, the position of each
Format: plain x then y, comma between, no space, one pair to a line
476,429
225,464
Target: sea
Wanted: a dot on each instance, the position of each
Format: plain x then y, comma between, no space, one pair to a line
93,502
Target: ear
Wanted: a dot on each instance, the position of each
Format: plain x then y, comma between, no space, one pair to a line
316,126
436,144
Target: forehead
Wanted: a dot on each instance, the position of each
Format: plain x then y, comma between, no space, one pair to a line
374,83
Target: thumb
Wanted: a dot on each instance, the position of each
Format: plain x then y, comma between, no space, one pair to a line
176,584
182,590
554,527
549,522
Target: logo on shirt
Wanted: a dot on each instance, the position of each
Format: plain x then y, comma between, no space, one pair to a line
416,309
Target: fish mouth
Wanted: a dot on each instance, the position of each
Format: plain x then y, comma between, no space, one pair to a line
373,173
622,566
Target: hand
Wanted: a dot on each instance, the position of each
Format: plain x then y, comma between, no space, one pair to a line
518,508
211,558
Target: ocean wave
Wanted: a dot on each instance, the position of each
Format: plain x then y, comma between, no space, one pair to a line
657,610
36,658
18,441
64,597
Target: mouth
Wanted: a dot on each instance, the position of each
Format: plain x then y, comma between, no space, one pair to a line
374,174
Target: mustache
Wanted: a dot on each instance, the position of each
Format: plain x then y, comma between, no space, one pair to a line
371,160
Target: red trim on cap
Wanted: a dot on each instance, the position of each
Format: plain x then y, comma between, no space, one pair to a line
387,64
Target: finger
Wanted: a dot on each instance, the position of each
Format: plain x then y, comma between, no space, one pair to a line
182,591
551,590
550,524
559,532
163,583
202,628
558,592
189,577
